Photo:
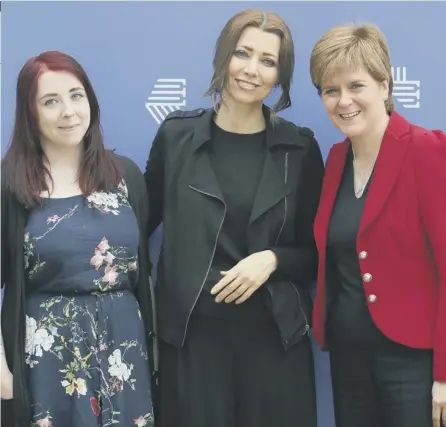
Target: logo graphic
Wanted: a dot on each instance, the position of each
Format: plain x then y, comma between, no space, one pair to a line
406,92
167,95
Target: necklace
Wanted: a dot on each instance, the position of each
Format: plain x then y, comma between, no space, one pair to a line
365,180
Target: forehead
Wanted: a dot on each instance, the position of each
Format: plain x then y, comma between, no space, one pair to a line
343,75
260,40
57,82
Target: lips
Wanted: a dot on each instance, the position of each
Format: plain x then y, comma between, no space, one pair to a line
68,127
349,115
246,85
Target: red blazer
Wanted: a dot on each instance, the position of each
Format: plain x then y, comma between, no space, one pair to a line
401,244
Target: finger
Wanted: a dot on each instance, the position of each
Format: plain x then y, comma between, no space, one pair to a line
436,414
230,276
237,293
248,294
229,289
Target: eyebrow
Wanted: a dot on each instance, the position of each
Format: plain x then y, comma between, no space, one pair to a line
75,89
352,82
263,53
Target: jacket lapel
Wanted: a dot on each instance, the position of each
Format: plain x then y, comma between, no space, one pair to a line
202,175
333,175
388,164
272,186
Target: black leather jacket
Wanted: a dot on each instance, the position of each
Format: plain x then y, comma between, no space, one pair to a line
185,196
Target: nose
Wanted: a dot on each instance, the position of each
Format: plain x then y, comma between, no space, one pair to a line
344,99
251,67
68,110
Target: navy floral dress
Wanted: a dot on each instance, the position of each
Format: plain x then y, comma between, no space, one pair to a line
86,354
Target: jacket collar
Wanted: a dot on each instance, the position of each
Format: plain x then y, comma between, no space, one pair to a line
277,133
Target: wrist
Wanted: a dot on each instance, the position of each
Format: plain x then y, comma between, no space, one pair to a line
273,260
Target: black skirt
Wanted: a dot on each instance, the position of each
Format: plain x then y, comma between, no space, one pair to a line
233,373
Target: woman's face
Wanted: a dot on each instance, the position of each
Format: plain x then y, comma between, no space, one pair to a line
253,69
63,109
354,101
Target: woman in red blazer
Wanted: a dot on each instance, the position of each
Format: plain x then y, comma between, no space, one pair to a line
381,235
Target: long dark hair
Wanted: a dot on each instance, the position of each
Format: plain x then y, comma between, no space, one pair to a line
23,164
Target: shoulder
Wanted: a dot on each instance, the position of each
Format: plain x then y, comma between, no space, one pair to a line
131,169
180,119
287,126
428,144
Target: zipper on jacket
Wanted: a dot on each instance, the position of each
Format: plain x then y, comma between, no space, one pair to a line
307,325
285,201
210,262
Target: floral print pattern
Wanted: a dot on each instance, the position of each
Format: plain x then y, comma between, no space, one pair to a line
85,341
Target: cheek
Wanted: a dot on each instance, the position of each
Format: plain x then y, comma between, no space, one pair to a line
234,67
329,105
270,78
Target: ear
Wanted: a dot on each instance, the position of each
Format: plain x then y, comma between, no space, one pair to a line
385,89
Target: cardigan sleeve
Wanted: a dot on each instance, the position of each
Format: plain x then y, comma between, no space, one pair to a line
430,172
154,179
5,202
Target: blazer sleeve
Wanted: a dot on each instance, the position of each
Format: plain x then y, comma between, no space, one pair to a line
430,173
154,179
299,262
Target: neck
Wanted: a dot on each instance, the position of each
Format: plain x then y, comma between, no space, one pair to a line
366,147
63,159
240,118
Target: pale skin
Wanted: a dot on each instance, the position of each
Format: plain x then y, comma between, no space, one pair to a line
352,92
61,103
255,63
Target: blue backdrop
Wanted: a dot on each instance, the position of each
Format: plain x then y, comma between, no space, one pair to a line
146,59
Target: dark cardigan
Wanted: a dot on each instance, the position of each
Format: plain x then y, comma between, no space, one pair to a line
14,219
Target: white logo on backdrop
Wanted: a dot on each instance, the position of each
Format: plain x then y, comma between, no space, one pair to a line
405,91
167,95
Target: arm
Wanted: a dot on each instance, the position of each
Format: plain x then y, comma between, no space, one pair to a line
430,173
154,178
298,263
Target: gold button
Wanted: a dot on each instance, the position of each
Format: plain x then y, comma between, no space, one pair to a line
363,255
367,277
372,298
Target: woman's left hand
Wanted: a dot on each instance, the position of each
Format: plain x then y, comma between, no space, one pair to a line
439,404
241,281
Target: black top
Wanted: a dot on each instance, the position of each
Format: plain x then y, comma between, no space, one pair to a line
237,160
349,318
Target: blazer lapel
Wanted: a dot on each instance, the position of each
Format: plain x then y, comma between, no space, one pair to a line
388,164
332,180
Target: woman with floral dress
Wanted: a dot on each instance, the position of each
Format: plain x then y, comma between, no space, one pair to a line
76,316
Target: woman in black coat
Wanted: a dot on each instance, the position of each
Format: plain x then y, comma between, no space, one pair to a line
237,189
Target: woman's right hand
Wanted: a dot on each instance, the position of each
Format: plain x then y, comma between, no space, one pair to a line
6,383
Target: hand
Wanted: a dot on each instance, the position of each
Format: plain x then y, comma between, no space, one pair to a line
6,382
241,281
439,404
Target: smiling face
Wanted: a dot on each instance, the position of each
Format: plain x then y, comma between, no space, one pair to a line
253,69
355,102
63,109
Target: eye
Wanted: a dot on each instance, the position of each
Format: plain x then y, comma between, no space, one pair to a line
77,96
241,53
357,85
50,102
269,62
329,91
